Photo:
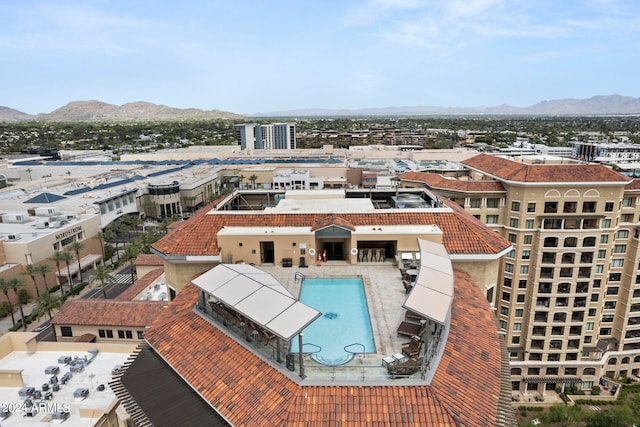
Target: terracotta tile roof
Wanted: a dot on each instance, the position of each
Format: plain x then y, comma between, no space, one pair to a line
633,185
510,170
436,181
332,220
463,234
149,260
140,285
99,312
248,391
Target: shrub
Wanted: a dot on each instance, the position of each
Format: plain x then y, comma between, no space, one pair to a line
24,296
595,390
4,309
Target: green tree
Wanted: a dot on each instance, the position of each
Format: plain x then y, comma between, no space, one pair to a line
253,178
5,287
58,257
102,274
31,271
67,257
619,416
15,285
43,270
101,237
131,252
76,247
47,302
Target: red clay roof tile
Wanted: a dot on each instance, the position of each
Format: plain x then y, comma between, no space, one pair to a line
100,312
248,391
463,234
437,181
510,170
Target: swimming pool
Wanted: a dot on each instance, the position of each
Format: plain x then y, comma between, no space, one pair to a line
344,320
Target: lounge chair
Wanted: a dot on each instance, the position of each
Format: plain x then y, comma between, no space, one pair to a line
406,368
412,348
411,329
413,316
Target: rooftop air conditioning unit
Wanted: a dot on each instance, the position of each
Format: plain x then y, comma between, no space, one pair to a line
55,224
13,237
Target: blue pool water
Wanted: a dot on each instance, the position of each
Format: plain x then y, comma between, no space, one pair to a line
344,320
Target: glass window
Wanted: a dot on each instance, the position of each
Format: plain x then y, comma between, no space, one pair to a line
528,238
522,284
520,298
588,207
492,219
608,207
550,207
531,207
508,267
617,262
474,203
128,334
570,207
619,249
599,268
66,331
517,326
506,296
589,242
515,206
140,334
528,223
109,333
627,202
121,334
602,254
504,310
606,223
626,218
519,312
524,269
622,234
513,237
513,222
589,326
492,203
526,254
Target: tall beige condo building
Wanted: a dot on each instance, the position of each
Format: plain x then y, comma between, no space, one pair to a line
568,298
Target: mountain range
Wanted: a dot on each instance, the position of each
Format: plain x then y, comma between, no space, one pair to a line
597,105
82,111
143,111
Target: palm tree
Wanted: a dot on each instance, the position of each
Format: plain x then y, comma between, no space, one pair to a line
16,284
103,275
43,270
5,286
253,179
102,237
58,257
47,302
240,179
130,254
67,257
31,271
77,246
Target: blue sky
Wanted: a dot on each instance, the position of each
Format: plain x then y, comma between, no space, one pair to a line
266,55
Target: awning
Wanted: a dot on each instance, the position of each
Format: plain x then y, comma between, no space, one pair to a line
85,261
259,297
552,380
433,291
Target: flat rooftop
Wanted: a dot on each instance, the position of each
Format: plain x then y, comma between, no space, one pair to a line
93,377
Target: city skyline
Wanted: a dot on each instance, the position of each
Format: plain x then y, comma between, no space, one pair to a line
262,57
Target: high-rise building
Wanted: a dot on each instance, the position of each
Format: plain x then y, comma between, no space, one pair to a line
568,297
276,136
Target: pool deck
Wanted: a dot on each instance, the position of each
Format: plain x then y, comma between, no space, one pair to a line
385,295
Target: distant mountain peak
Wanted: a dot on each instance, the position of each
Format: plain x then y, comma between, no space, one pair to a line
93,110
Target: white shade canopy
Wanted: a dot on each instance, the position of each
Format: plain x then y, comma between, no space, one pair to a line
259,297
433,291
